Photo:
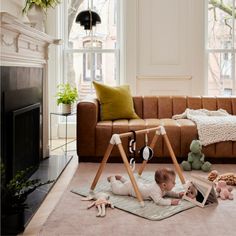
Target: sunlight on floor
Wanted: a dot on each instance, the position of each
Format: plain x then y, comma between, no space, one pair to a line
58,146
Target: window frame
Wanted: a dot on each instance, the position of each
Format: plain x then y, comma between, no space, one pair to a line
66,50
232,50
115,51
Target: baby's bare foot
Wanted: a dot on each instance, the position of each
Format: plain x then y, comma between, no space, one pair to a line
118,177
109,178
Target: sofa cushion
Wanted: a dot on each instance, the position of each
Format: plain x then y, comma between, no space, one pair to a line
150,105
224,149
116,102
188,132
103,136
173,132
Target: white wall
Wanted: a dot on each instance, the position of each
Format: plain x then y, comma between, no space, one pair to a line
165,46
14,7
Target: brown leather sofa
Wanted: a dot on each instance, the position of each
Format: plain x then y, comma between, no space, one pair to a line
94,135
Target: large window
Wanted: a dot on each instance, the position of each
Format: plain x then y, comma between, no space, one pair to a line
92,55
221,47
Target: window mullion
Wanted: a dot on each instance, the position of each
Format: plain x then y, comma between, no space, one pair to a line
87,50
234,50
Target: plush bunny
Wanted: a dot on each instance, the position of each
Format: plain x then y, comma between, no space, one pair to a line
224,191
101,201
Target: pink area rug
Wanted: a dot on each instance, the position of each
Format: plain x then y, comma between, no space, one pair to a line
71,217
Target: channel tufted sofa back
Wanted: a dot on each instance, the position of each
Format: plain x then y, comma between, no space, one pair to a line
167,106
94,135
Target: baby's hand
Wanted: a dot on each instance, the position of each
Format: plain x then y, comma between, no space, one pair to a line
181,194
174,201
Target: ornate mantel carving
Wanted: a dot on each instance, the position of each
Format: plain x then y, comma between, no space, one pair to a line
24,46
21,44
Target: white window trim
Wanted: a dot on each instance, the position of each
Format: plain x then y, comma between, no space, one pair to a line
120,61
211,50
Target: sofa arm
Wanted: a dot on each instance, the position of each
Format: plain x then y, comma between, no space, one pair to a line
87,118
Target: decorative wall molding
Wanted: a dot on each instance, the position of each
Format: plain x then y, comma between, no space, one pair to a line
165,43
21,44
24,46
164,86
163,37
158,77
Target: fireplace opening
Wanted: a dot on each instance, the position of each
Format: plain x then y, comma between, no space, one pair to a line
25,137
21,130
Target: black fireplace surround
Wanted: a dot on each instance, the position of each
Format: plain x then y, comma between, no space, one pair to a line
21,118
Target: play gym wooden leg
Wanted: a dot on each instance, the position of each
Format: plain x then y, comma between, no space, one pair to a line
102,165
130,173
152,145
176,164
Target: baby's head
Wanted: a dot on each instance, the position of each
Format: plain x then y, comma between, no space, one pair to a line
191,191
165,178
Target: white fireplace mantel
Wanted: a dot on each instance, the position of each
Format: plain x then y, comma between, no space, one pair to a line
24,46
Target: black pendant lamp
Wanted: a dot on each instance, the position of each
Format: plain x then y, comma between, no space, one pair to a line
88,19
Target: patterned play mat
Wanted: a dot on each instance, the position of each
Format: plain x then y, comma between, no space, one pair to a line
150,211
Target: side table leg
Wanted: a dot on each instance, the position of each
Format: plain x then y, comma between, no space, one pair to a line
50,143
66,137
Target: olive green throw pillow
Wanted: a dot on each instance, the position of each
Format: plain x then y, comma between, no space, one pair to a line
116,102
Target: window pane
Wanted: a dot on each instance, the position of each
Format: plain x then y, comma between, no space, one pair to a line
85,67
106,32
220,27
235,25
220,74
94,55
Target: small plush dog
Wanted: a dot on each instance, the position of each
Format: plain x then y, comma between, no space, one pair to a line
100,201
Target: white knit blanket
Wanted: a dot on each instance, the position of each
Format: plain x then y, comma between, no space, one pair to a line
212,126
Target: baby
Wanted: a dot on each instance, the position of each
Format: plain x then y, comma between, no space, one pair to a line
162,186
193,193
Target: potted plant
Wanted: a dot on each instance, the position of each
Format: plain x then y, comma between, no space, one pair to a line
13,196
36,11
66,96
43,4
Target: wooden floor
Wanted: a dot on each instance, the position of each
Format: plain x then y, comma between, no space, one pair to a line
56,192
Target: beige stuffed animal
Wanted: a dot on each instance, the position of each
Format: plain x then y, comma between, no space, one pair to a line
100,201
229,178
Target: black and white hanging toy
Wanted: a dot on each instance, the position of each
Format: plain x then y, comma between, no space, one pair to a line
132,149
146,152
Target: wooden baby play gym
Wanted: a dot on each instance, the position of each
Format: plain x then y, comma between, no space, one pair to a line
116,140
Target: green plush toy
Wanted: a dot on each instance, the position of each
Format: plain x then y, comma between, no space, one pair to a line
196,158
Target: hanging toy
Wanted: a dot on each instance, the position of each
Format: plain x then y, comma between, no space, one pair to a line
132,149
132,164
146,152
